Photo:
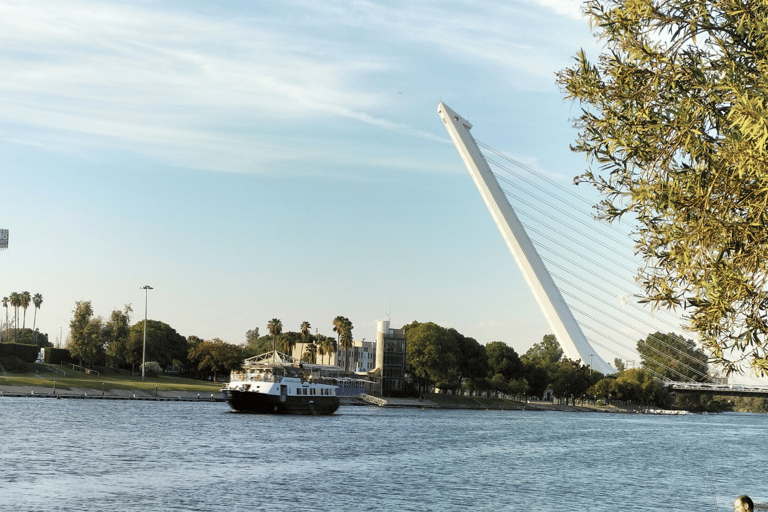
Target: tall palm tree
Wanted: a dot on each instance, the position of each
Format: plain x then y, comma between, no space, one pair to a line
37,300
311,353
5,305
275,327
26,298
330,347
346,342
338,327
304,337
343,328
320,350
15,302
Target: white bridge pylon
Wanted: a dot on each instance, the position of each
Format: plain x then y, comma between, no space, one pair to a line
559,316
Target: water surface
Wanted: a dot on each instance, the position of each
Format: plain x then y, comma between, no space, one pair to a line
127,456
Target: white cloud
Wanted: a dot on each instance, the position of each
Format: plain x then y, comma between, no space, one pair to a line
569,8
223,92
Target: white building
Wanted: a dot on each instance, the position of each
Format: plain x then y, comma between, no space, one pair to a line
362,356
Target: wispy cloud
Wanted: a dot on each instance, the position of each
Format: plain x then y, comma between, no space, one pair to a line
222,93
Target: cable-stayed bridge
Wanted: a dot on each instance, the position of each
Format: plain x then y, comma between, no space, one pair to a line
571,254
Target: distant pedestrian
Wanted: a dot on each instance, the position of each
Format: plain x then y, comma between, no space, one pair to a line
743,504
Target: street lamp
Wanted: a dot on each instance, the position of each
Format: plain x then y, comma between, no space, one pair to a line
144,352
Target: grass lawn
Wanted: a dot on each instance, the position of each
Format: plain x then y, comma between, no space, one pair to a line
40,375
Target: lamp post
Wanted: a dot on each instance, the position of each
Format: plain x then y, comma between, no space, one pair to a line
144,352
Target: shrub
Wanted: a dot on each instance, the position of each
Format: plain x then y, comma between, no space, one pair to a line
57,355
13,364
152,369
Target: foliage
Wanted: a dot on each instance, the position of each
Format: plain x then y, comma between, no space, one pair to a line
342,326
116,333
13,364
256,345
472,361
618,364
674,114
26,336
546,354
275,327
27,353
215,357
750,404
164,344
672,357
288,340
310,353
56,355
325,345
432,354
151,369
503,360
85,334
571,380
536,377
635,384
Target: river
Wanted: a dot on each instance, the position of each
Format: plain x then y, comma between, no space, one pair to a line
140,456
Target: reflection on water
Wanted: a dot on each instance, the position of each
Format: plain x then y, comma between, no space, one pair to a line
114,455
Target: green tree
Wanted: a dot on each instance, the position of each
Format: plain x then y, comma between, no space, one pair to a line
310,353
275,327
473,361
24,301
675,119
305,337
618,364
432,355
672,357
342,326
86,342
164,344
255,345
640,386
15,303
503,360
572,380
115,334
37,300
547,354
537,378
214,357
288,340
328,344
5,305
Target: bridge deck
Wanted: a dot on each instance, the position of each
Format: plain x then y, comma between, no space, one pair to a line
717,389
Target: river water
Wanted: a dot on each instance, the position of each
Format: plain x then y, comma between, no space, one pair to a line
139,456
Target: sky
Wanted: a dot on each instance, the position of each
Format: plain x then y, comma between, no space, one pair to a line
259,160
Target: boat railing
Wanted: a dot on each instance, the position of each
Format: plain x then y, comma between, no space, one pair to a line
242,376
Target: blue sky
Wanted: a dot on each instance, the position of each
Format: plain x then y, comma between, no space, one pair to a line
275,159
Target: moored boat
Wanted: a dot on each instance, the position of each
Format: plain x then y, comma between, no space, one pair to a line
275,383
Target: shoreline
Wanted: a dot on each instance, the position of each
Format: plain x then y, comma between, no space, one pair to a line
110,394
207,396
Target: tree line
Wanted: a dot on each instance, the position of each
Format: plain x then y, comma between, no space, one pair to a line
445,359
113,342
11,331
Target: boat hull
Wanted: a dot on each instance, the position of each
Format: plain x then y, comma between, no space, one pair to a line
263,403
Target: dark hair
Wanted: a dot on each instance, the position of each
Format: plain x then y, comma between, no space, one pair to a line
746,500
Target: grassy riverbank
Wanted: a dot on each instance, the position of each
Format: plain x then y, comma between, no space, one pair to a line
39,376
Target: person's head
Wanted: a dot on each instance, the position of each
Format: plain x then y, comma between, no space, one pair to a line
743,504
